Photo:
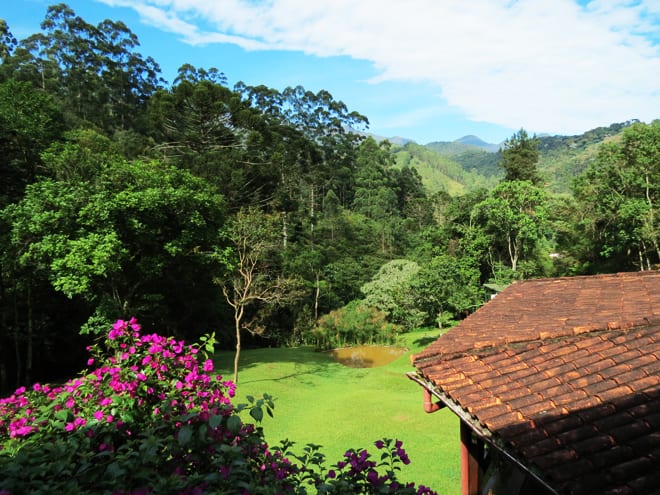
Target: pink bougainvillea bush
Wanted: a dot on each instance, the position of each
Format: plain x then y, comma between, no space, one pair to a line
150,417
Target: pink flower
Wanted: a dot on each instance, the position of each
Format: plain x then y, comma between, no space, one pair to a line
208,365
135,326
117,329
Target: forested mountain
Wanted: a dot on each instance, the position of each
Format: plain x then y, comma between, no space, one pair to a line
453,172
270,214
561,159
461,145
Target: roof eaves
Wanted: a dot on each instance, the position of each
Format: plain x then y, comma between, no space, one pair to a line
479,429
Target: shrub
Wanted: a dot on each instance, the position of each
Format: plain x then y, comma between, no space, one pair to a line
150,418
354,324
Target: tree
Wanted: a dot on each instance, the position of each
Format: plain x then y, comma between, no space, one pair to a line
29,122
206,128
93,70
515,211
619,195
448,288
520,155
254,241
375,193
390,291
128,240
7,42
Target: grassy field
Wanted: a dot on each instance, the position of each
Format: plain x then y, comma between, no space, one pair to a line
323,402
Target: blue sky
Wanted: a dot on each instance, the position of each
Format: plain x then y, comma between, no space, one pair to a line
428,70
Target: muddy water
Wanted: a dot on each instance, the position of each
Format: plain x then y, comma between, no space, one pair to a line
367,356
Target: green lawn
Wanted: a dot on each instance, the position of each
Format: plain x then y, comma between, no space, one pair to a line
320,401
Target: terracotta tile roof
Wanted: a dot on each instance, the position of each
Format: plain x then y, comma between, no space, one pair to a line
564,375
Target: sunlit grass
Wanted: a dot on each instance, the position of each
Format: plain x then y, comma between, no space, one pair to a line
322,402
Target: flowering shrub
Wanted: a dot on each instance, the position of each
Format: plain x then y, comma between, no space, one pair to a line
149,417
357,473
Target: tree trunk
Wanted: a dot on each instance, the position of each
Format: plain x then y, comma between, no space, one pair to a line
312,212
238,316
17,347
316,298
30,338
513,252
649,201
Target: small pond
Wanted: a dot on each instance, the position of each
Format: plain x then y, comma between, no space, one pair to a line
367,356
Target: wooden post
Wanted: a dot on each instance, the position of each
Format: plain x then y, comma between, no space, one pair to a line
472,450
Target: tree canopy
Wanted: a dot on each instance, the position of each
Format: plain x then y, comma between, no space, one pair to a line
122,194
520,155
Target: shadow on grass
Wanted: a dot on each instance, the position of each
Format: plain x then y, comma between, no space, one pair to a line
276,363
424,341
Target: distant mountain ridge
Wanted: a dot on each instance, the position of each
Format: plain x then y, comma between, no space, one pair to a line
473,140
470,162
461,145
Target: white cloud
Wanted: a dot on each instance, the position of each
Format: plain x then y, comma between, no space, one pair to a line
551,66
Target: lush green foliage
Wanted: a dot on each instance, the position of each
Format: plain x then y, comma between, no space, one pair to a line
118,239
120,195
447,288
390,291
520,154
446,171
515,212
149,417
620,190
355,323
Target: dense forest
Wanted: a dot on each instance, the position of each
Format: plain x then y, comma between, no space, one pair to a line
271,214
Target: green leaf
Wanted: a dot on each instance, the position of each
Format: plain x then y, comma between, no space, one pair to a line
234,424
63,414
185,434
257,413
215,420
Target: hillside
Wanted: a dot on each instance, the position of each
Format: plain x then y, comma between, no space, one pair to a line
461,145
562,158
469,162
441,172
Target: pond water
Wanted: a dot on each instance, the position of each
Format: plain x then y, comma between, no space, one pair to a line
367,356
